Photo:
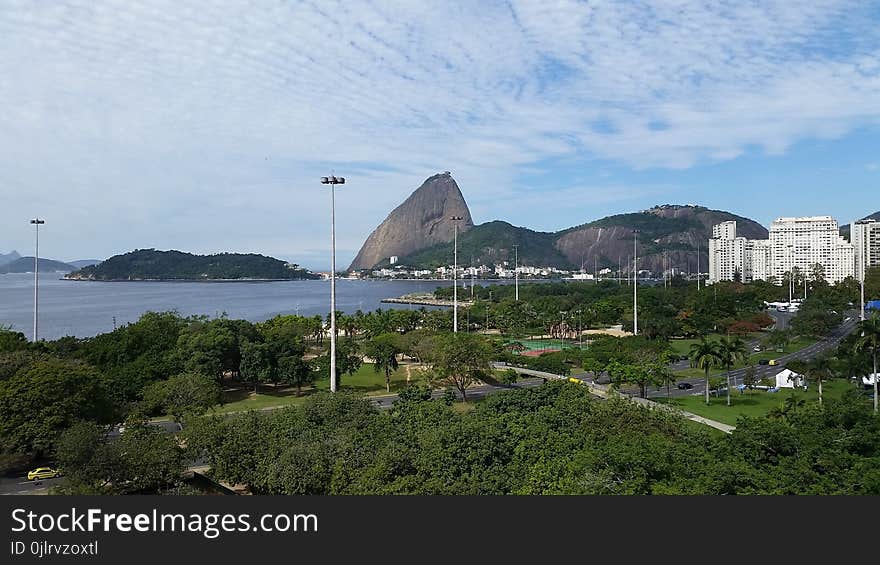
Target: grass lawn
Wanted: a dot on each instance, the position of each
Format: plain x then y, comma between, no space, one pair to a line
754,403
365,381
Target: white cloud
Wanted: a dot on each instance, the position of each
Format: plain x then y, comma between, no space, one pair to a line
206,125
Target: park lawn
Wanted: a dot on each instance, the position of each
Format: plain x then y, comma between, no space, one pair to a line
754,403
365,381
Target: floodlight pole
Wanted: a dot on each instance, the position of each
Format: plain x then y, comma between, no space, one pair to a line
333,181
455,220
37,222
636,283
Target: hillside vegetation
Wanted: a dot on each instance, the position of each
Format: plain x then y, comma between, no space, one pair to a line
151,264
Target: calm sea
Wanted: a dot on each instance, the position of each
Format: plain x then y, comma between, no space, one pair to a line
85,309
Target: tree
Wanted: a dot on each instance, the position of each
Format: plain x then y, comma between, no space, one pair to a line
779,339
509,377
662,375
750,378
143,460
38,403
210,347
731,350
461,360
184,394
11,340
295,371
639,375
869,340
705,355
256,363
384,350
818,369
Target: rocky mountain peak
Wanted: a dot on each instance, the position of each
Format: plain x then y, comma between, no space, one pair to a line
421,221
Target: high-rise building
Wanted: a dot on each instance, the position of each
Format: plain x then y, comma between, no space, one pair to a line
865,237
807,242
726,254
801,243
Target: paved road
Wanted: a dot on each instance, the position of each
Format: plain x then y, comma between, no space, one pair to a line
762,371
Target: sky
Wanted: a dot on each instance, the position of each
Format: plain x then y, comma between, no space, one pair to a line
206,126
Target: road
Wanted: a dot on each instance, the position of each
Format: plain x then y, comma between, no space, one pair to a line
762,371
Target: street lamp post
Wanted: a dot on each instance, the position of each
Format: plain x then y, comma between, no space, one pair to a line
516,271
455,220
636,283
36,222
333,181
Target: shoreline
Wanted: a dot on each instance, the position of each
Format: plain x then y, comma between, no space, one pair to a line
186,280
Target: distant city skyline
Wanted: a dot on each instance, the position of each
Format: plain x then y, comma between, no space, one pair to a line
207,129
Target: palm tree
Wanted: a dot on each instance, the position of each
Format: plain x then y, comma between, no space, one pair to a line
818,369
732,349
705,355
869,340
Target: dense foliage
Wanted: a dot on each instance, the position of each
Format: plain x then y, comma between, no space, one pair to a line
554,439
151,264
492,243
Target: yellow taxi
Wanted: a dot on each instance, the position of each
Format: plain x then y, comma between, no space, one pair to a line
773,362
43,473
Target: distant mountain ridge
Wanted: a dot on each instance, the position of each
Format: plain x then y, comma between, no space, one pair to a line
670,236
845,228
152,264
84,263
9,257
26,265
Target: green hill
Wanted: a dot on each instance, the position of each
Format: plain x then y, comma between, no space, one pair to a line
150,264
492,243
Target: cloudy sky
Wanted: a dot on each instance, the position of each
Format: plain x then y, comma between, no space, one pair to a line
205,126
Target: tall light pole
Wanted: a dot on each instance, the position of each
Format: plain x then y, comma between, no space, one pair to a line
333,181
36,222
516,271
455,220
635,283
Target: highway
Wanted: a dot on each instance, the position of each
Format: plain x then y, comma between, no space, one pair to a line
761,371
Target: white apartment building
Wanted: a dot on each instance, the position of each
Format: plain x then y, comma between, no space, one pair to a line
865,237
727,254
794,242
807,241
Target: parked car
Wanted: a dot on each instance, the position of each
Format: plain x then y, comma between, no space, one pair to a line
43,473
763,362
685,386
773,362
757,349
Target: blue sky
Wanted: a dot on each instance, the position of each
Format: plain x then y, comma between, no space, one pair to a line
205,126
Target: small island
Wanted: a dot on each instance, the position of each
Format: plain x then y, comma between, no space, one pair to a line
155,265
